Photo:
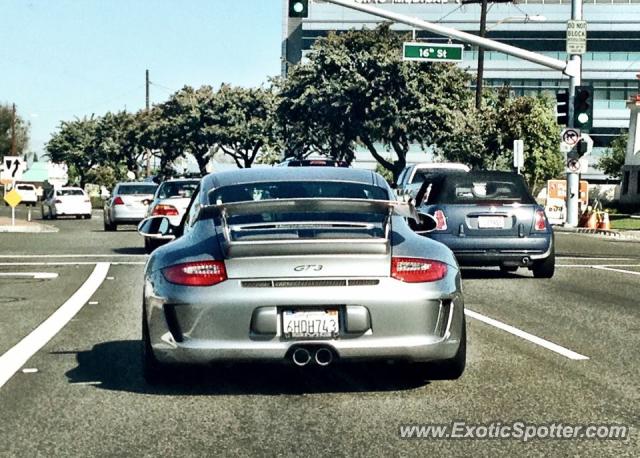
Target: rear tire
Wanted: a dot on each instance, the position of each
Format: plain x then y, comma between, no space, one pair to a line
153,371
109,226
448,369
150,245
545,268
508,269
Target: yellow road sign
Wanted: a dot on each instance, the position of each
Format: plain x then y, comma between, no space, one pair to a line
13,198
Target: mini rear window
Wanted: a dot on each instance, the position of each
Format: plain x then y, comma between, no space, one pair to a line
473,189
69,192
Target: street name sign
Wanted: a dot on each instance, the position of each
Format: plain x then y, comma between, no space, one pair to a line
576,37
432,52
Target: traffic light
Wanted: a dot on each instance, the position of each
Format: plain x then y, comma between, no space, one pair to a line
562,107
298,8
583,108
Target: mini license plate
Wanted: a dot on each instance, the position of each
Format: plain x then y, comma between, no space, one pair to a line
310,324
490,222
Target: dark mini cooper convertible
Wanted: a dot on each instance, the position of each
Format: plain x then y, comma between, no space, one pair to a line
489,219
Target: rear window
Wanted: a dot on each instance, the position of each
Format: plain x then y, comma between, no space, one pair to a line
177,189
69,192
130,189
296,190
26,187
470,189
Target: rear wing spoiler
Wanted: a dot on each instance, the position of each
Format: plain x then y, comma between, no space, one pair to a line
292,245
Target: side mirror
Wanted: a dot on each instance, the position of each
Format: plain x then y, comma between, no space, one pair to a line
426,223
157,227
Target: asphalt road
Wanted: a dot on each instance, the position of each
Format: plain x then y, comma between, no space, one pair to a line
82,393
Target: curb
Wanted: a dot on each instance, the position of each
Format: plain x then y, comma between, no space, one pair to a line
31,229
622,235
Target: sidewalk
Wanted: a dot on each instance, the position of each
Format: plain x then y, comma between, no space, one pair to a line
621,235
24,226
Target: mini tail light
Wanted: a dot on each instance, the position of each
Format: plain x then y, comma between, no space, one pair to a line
118,201
441,220
165,210
417,270
540,222
201,273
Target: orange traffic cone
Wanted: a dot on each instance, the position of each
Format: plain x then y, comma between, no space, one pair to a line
603,222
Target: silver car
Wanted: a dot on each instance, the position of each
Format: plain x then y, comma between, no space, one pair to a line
128,204
171,200
309,266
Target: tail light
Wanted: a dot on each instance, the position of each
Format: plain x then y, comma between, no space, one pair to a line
118,201
441,220
540,223
165,210
201,273
417,270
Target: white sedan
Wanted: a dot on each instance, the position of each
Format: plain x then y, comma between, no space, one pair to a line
66,201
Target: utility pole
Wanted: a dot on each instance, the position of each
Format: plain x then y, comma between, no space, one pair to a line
147,111
573,179
13,131
481,34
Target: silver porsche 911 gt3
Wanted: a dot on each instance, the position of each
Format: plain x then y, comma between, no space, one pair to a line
311,266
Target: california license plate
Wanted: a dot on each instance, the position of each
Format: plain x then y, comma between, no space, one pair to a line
490,222
310,324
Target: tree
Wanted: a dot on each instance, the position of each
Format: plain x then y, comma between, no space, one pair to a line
613,159
21,130
240,122
356,89
74,145
117,142
183,125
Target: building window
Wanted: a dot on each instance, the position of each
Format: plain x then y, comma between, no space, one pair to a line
625,183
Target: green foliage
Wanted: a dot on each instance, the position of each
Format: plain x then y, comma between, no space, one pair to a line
22,132
104,175
355,88
240,122
612,160
74,144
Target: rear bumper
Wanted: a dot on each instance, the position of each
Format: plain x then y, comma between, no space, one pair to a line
73,210
122,214
475,251
426,327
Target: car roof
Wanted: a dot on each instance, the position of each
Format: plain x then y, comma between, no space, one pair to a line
442,165
181,180
136,183
292,174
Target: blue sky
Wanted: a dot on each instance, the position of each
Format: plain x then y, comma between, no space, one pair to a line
65,58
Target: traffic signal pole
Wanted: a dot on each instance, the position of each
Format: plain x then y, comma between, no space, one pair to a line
569,68
573,178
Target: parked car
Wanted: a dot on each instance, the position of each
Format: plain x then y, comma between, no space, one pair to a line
66,201
489,219
171,200
128,204
305,266
27,193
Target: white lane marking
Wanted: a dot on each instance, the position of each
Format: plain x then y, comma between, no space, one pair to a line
617,270
525,335
16,357
28,256
597,259
35,275
71,263
589,266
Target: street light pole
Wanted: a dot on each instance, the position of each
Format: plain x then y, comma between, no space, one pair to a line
573,179
480,70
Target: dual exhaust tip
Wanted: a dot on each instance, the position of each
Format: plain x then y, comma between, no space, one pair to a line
302,356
